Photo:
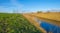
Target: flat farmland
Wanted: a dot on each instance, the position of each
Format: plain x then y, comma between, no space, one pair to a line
32,21
52,17
16,23
48,21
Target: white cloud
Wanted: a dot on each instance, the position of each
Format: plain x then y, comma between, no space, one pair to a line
15,3
12,5
3,9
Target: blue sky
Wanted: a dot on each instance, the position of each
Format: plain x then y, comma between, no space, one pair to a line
28,5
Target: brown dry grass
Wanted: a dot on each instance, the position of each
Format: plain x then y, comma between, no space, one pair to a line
32,21
52,17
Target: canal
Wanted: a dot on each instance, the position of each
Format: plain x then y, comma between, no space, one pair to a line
48,27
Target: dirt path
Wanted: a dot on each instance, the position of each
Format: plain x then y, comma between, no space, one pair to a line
32,21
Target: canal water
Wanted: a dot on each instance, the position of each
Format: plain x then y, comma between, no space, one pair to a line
48,27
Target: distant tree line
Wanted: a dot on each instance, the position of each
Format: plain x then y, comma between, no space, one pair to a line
39,11
42,12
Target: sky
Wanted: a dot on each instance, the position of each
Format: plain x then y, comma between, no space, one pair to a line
11,6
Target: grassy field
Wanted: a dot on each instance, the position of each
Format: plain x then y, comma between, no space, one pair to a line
16,23
34,22
52,17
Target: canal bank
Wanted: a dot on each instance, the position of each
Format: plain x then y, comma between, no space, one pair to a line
50,19
32,21
50,28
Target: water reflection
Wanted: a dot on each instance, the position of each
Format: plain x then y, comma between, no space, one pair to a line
48,27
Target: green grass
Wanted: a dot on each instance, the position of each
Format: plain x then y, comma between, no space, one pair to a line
16,23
